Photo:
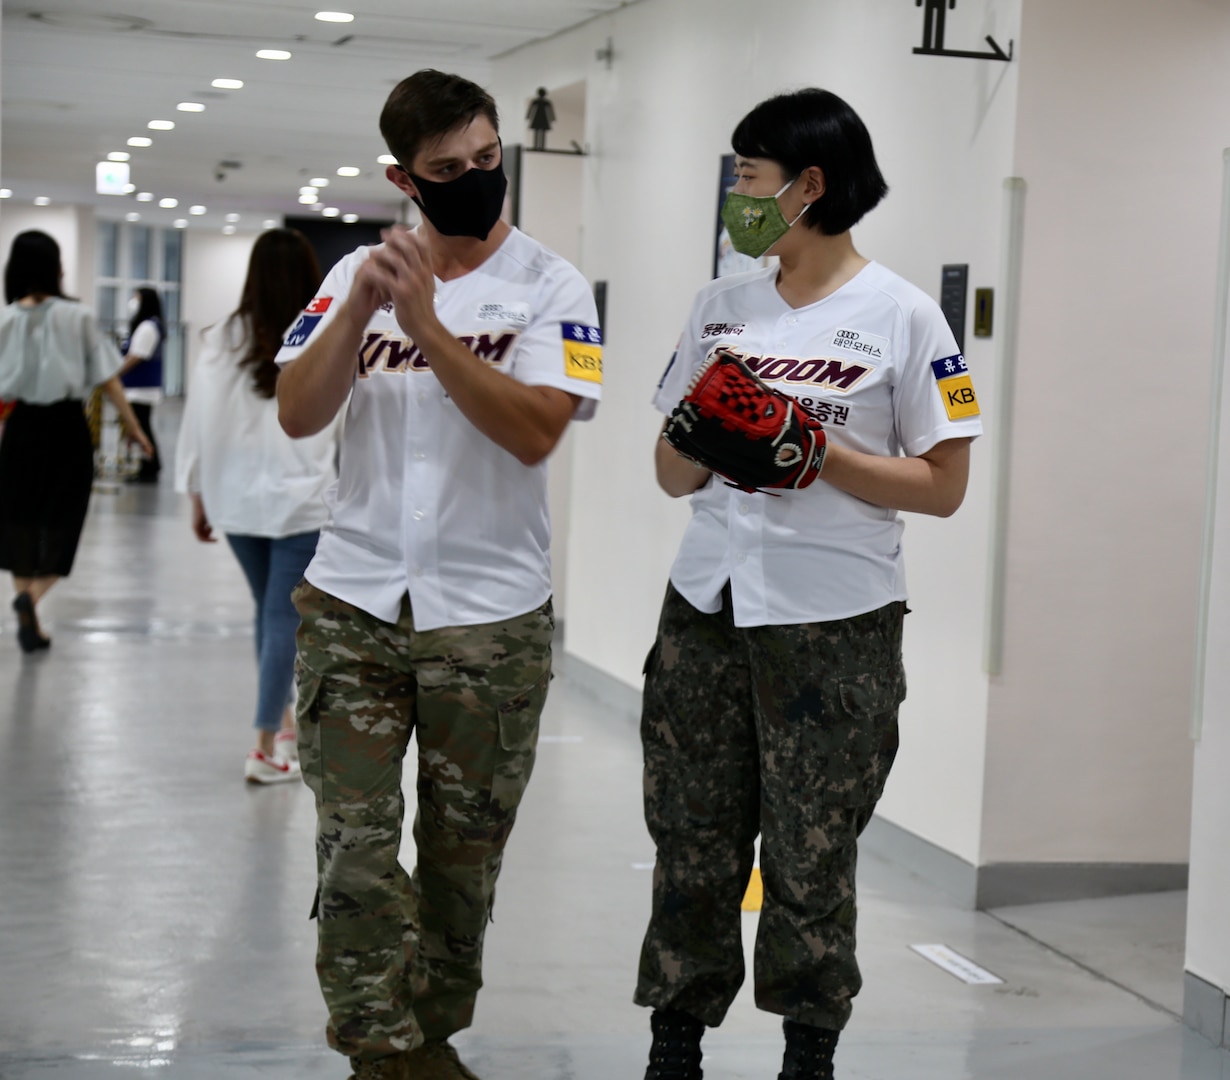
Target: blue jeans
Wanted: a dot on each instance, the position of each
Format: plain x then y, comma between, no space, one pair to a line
273,568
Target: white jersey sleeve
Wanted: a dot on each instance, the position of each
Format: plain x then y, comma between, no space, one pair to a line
934,398
324,306
562,345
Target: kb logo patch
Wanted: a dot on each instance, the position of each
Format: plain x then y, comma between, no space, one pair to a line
956,387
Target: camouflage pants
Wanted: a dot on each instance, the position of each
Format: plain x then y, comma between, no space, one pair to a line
785,731
399,955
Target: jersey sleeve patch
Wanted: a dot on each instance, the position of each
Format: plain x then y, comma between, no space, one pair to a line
956,388
582,351
319,306
301,331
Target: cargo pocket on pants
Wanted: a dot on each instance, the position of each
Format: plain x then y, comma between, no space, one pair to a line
859,759
518,743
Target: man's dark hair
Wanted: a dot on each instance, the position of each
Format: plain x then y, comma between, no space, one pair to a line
816,127
428,105
33,268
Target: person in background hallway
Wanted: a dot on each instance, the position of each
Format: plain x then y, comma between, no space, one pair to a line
464,349
52,355
142,371
771,693
250,481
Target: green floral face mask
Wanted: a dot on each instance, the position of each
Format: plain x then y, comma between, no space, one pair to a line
756,222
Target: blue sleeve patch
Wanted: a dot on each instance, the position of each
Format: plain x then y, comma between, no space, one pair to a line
590,335
301,331
949,367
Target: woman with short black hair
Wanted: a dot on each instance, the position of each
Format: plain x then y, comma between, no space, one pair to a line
771,696
51,356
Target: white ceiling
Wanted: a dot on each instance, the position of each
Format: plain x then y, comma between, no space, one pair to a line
82,76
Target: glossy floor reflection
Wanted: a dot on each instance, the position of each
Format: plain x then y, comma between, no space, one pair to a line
153,909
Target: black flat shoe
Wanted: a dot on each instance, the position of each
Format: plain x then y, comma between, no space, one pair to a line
29,636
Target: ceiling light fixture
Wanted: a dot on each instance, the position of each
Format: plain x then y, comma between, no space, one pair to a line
140,140
387,159
348,170
118,155
227,84
335,16
307,200
181,223
307,190
145,196
129,188
132,215
228,230
190,106
269,223
350,219
330,211
232,218
168,204
272,54
42,200
6,193
319,181
161,125
198,210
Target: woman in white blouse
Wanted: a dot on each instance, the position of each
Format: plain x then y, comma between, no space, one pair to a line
51,356
252,482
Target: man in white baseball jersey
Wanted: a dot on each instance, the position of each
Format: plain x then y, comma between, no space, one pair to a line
461,351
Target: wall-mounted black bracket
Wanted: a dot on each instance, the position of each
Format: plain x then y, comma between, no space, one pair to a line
996,52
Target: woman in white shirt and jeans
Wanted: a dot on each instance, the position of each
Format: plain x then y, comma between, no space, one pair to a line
251,481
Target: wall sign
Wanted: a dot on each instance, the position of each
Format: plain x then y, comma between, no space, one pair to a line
935,14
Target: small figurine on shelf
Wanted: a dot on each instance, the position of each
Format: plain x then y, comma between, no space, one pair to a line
541,115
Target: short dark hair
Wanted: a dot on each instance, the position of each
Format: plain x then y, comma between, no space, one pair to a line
34,267
816,127
283,275
428,105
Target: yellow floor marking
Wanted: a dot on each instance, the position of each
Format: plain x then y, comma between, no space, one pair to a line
754,897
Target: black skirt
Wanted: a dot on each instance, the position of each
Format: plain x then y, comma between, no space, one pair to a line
46,472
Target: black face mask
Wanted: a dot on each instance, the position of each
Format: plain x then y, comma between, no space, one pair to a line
467,206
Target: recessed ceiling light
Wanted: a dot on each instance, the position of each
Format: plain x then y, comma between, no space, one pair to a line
119,155
330,211
269,223
232,218
181,222
319,181
350,219
6,193
42,200
317,207
307,189
132,215
272,54
228,230
140,140
161,125
145,196
348,170
129,188
228,84
387,159
334,16
168,204
307,200
196,210
190,106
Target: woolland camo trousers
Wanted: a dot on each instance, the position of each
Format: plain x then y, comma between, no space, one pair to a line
788,732
399,955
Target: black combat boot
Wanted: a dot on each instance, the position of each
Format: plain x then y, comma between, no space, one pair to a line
809,1052
675,1054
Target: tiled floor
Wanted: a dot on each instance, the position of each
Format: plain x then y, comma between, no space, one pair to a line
153,909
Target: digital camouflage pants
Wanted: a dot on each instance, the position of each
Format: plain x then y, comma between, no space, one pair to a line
785,731
400,955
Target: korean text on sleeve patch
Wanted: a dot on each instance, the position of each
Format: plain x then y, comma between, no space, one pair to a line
302,330
956,387
582,351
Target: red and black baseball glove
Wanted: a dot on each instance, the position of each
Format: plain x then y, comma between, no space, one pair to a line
739,427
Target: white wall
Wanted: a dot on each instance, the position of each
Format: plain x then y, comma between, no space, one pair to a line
72,227
1119,137
214,270
657,123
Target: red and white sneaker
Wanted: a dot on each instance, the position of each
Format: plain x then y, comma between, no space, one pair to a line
286,746
259,769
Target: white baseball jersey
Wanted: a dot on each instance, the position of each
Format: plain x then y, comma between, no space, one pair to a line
425,503
877,363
